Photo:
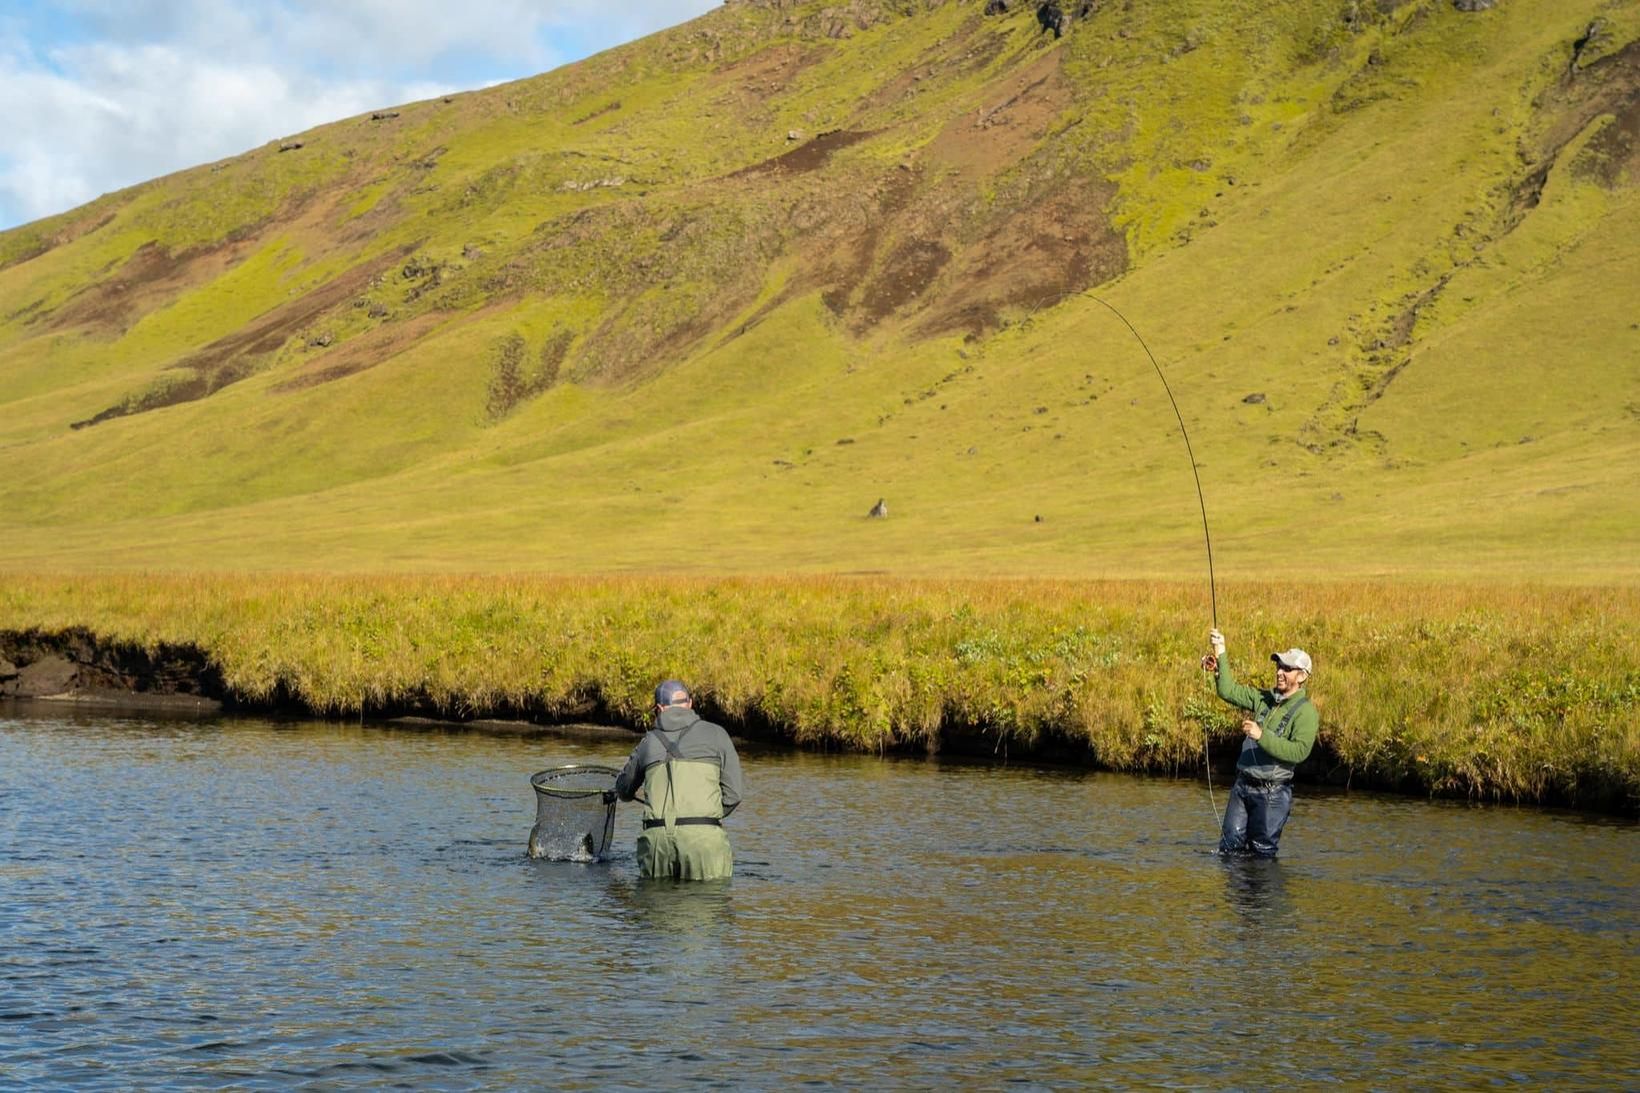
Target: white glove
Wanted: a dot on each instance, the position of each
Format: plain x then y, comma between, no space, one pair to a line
1216,639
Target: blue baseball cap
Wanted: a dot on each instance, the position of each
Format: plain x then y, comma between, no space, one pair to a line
671,693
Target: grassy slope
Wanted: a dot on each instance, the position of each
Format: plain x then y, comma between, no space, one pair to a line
1283,201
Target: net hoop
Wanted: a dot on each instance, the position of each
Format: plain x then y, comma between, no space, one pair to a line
575,781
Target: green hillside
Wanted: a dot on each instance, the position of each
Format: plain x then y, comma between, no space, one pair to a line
694,304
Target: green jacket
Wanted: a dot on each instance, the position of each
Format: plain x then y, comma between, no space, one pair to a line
1289,732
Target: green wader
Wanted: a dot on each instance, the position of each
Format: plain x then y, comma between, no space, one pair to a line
683,835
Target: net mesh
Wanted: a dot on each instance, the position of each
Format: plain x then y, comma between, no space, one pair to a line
572,822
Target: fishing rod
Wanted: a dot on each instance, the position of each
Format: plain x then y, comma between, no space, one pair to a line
1201,498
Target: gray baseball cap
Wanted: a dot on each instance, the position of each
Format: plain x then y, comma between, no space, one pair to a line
1292,658
670,693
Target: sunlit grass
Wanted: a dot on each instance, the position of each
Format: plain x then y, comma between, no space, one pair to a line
1515,693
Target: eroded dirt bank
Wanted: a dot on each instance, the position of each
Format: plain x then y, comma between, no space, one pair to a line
77,667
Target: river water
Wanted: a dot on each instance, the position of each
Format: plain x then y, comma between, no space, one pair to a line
296,905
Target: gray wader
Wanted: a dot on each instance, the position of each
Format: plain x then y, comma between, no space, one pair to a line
683,836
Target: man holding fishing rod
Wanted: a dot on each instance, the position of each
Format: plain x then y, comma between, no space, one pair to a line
1277,735
689,773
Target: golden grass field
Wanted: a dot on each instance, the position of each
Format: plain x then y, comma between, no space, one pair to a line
1527,694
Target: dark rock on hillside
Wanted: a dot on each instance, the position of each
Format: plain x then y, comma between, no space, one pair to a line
996,7
1473,5
1593,37
1058,17
1254,399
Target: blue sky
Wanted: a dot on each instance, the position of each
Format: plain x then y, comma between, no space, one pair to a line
101,94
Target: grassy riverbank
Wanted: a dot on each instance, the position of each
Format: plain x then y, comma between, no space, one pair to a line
1511,693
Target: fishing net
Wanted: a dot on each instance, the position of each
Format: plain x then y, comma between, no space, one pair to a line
572,822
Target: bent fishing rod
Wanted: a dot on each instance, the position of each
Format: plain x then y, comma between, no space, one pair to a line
1195,474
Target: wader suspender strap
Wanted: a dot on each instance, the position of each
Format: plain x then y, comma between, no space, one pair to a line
674,752
671,748
1288,715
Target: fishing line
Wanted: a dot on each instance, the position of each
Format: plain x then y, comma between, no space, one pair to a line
1201,498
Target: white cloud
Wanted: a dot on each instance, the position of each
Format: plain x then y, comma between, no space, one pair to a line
153,86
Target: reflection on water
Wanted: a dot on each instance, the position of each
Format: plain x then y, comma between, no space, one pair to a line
1256,889
278,906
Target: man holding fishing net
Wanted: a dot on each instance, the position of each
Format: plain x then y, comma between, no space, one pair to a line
1277,735
689,773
